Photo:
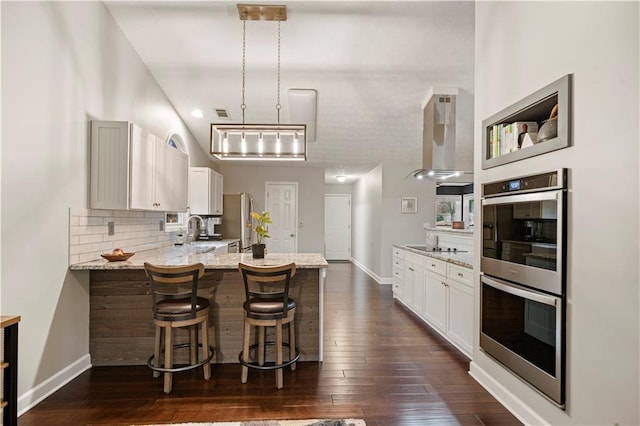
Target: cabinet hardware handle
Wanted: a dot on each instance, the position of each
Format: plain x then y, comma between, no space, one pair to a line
460,275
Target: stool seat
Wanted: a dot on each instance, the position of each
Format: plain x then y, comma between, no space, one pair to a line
170,308
267,308
176,305
268,304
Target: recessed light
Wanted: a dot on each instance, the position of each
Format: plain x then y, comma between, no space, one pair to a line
197,113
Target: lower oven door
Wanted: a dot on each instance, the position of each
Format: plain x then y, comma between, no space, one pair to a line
524,330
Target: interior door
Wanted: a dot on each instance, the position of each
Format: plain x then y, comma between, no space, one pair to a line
337,226
282,205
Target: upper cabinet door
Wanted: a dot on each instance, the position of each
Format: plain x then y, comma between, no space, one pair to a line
143,161
109,165
180,181
206,191
217,193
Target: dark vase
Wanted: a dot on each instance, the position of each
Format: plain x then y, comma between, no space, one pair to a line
258,250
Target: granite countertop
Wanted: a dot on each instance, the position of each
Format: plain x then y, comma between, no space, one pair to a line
461,259
203,252
449,229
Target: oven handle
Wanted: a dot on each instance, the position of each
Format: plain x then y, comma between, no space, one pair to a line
523,198
517,291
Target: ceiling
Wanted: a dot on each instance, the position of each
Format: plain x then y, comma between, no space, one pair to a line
372,64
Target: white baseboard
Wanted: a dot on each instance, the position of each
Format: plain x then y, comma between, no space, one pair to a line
515,405
371,273
34,396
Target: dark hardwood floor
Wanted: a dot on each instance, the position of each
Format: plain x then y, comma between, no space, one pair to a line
380,364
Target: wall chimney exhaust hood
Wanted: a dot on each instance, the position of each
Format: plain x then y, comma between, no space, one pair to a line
439,139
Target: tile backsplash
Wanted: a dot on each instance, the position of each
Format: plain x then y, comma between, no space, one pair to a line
134,231
452,239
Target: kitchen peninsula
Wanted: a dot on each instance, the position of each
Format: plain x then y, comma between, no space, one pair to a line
121,323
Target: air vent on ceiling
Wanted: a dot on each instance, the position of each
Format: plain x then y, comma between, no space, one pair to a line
223,114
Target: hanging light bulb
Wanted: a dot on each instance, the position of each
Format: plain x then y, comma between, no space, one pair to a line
295,143
225,144
278,145
260,145
244,145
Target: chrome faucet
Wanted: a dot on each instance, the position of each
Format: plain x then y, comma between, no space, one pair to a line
191,236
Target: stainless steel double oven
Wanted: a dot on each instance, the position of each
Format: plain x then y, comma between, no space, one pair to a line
523,278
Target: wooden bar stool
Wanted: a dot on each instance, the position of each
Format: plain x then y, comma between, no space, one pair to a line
176,305
268,304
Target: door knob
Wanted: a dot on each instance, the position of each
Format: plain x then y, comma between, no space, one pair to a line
292,235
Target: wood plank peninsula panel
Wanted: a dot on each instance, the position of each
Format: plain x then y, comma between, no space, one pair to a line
121,319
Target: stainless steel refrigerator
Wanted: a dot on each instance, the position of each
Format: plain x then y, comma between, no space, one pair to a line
236,219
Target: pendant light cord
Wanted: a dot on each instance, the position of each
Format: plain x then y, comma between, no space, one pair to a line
243,106
278,106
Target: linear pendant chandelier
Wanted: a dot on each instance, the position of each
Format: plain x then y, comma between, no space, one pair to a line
259,141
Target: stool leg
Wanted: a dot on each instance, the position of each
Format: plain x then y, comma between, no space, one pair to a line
205,348
245,351
292,343
193,344
279,378
261,332
168,359
157,351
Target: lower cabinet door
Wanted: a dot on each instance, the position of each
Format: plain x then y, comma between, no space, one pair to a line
436,300
461,315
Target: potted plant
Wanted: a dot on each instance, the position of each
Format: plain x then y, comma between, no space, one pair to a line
261,232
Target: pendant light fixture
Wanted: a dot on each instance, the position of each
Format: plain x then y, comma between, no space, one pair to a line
259,141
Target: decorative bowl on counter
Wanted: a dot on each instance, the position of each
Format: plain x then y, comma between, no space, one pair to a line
116,257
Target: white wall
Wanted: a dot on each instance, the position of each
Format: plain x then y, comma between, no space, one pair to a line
63,64
398,227
366,221
310,196
338,188
377,219
521,47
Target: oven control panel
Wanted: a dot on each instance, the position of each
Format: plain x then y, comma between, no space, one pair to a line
556,179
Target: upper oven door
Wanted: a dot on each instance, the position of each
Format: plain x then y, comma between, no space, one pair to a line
523,239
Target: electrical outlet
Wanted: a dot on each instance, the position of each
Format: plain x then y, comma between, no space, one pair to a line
111,228
161,225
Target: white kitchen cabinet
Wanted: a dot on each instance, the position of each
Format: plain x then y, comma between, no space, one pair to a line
460,310
133,169
398,274
110,165
414,282
158,174
206,191
436,300
438,291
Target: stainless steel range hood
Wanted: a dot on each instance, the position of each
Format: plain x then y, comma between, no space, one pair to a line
440,156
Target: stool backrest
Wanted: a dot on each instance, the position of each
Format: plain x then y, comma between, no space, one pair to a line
179,282
267,283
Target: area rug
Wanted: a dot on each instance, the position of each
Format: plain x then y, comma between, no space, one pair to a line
311,422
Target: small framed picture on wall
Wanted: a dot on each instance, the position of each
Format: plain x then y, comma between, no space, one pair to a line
409,205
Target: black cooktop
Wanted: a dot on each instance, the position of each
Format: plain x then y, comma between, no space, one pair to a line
431,249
